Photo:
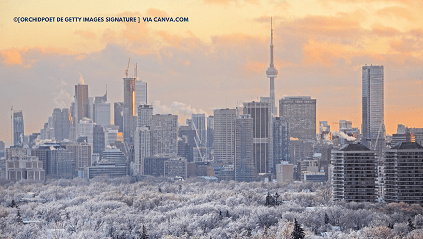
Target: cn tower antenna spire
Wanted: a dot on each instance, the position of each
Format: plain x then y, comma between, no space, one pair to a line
271,72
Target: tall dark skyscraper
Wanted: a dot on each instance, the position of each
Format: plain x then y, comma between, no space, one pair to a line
98,140
18,128
81,103
128,109
272,73
61,124
300,112
244,163
118,115
280,141
373,127
262,135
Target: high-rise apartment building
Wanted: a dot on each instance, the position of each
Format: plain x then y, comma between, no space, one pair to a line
142,148
262,135
145,115
373,127
244,163
164,132
18,128
354,174
403,173
224,135
300,112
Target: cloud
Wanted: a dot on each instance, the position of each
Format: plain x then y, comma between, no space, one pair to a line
153,12
62,99
396,12
384,31
183,110
12,56
254,66
85,34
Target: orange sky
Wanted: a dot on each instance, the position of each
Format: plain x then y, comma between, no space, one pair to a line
217,59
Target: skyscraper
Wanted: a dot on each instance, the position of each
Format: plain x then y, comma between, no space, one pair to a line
61,124
280,141
210,136
164,131
18,128
272,73
224,135
142,148
81,103
199,124
99,143
145,115
373,127
244,163
118,115
262,134
128,109
300,112
101,109
86,127
142,137
140,93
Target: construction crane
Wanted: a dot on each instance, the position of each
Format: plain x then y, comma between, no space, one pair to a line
127,68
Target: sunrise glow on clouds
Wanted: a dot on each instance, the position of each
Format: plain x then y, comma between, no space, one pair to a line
218,58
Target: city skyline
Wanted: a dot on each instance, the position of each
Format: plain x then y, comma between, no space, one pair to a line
212,62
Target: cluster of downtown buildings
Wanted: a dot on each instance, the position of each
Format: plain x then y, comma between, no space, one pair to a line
248,143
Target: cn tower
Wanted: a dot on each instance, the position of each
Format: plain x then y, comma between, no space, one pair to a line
272,73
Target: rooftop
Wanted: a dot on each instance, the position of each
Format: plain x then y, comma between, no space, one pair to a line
407,145
354,147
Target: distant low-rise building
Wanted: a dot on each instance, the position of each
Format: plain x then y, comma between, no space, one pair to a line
176,167
284,172
24,167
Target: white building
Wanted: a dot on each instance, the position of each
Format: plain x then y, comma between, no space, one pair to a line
142,148
199,125
102,113
164,132
86,128
224,135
